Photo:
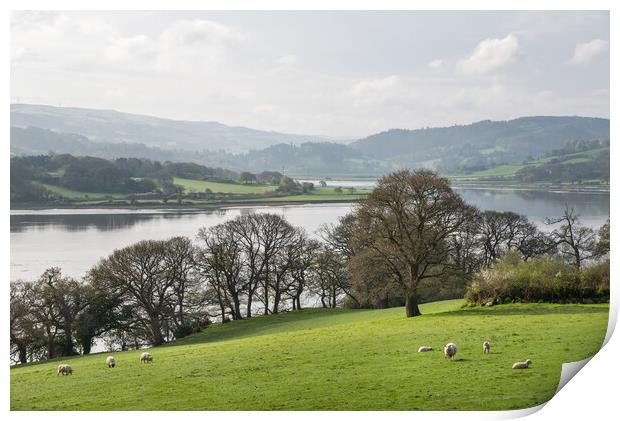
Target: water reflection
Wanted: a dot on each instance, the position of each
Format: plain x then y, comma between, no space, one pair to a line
76,239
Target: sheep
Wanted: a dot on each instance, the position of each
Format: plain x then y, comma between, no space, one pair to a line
425,349
486,347
449,351
525,364
65,370
145,357
110,362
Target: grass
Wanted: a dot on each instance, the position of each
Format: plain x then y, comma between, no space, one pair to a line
510,170
74,194
199,186
334,359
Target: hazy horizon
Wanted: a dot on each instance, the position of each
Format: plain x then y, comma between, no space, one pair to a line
333,74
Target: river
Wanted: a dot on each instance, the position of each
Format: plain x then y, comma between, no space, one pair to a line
75,239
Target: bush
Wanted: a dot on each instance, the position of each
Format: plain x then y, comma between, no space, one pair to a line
539,280
183,330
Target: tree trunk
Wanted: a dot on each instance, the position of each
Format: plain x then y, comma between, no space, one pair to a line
276,302
23,355
158,338
87,345
248,308
294,304
411,305
298,299
237,308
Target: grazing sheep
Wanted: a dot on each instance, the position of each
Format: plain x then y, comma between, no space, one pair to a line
110,362
449,351
525,364
425,349
145,357
65,370
486,347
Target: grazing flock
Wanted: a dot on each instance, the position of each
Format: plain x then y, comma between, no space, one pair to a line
66,369
449,351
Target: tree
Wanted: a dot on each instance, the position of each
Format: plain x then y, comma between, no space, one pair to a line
406,222
221,261
602,247
575,242
329,278
305,260
152,278
247,178
23,329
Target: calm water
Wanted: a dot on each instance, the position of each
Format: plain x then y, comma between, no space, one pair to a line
75,240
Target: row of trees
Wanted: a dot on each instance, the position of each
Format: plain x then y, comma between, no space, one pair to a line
156,291
413,237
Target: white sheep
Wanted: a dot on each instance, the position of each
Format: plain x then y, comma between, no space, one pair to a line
449,351
145,357
525,364
425,349
65,370
110,362
486,347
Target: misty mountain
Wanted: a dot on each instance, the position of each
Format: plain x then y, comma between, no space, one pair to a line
481,144
117,127
450,150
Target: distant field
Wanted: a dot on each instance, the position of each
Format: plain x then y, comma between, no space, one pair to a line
320,359
510,171
74,194
199,186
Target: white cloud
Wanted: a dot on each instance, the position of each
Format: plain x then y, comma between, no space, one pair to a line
490,54
436,64
256,75
586,51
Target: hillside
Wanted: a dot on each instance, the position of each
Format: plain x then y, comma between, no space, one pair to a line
481,144
38,129
117,127
334,359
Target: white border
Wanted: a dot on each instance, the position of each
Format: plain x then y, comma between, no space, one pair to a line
591,394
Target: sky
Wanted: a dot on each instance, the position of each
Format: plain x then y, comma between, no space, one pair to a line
337,74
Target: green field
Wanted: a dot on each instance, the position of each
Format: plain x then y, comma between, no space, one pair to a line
510,170
199,186
74,194
334,359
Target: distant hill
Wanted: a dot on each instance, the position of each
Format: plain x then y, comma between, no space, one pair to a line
481,144
38,141
462,149
117,127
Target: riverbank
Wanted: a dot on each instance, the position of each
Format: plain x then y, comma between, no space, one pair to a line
345,197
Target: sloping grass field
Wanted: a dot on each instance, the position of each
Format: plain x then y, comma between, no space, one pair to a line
334,360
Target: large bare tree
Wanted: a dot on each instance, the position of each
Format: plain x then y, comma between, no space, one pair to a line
407,221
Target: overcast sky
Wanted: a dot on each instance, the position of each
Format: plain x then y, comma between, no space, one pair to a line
327,73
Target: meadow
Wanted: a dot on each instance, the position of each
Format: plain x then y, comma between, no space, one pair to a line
320,359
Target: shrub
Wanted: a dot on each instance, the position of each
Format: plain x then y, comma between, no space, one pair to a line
539,280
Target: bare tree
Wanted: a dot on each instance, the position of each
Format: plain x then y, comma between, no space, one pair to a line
575,242
149,275
221,262
407,220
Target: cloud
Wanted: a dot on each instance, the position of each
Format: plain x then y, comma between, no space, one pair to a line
585,52
436,64
490,54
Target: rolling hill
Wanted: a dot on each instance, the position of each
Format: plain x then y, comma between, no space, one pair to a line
457,149
116,127
320,359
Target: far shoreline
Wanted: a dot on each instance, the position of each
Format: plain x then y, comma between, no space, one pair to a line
193,207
